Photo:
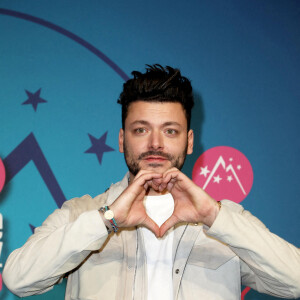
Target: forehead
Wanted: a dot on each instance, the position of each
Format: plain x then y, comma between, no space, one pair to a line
156,112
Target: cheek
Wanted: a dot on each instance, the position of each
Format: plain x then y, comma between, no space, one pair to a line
175,145
133,149
180,148
137,145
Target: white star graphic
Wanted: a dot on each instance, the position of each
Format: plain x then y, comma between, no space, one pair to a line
239,167
230,159
217,179
229,178
204,171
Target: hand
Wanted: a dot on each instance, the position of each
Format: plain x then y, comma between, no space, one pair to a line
191,203
129,209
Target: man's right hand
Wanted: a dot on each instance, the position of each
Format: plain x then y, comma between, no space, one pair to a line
129,209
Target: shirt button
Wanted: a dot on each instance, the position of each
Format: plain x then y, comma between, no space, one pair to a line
177,271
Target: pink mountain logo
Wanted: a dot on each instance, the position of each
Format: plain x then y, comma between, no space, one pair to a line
2,175
224,173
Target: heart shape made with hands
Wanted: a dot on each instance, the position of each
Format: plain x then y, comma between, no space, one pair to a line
191,203
187,203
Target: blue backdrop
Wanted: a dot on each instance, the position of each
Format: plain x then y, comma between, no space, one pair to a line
62,66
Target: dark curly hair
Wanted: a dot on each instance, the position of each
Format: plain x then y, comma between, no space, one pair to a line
157,84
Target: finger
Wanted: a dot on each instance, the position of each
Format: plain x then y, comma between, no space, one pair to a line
151,183
169,179
146,177
151,225
176,176
143,172
174,173
157,181
154,185
162,187
172,170
170,186
142,183
169,223
146,186
169,175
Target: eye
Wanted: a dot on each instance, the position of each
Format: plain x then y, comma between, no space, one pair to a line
171,131
140,130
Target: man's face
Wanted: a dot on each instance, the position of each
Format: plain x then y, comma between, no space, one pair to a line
155,137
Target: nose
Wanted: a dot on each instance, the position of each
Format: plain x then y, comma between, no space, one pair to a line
156,141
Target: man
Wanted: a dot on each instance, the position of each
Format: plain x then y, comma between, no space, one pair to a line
155,234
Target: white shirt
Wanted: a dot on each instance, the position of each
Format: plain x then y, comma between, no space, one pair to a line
159,251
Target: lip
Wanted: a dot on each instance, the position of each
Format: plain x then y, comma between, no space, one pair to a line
155,158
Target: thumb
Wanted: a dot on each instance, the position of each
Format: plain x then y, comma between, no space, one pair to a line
151,225
169,223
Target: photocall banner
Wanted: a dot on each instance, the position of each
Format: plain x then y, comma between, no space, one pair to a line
62,67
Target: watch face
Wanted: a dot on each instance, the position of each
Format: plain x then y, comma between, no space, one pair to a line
108,215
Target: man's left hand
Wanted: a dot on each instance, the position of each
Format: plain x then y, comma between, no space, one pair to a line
191,203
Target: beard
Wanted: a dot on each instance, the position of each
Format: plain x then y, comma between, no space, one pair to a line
133,163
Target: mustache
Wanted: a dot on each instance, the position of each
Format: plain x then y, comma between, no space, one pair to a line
155,153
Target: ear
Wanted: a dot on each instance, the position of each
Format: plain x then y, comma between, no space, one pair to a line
121,140
190,142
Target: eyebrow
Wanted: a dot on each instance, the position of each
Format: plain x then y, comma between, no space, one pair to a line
143,122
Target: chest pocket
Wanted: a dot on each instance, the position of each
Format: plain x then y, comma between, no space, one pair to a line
210,255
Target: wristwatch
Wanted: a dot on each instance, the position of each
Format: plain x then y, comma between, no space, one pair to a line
109,215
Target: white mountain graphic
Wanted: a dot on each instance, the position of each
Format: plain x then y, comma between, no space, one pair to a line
229,168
